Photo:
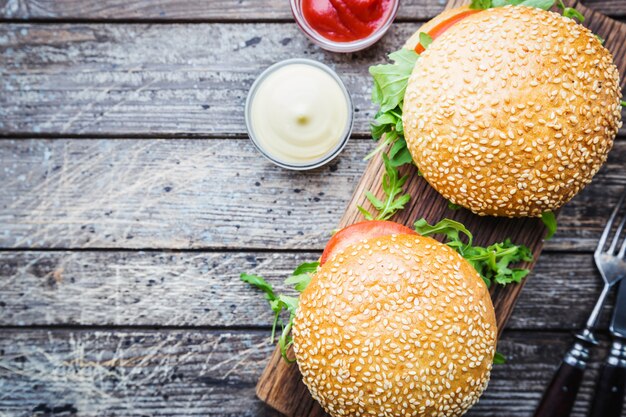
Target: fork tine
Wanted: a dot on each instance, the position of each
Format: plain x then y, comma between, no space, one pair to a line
618,232
622,251
609,224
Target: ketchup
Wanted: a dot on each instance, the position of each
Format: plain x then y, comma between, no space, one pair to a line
346,20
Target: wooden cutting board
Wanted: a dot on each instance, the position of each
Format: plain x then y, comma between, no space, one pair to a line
281,386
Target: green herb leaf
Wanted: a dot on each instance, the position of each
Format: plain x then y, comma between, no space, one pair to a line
401,158
480,4
549,220
392,187
453,206
448,227
299,282
492,263
499,359
623,103
425,40
300,278
306,268
570,12
389,138
260,283
390,80
365,213
540,4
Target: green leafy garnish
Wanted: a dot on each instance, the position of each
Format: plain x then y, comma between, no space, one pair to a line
540,4
392,186
492,262
390,80
570,12
425,40
488,4
623,103
549,220
453,206
300,278
499,359
480,4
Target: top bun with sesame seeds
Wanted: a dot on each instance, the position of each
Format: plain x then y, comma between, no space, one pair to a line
397,325
512,111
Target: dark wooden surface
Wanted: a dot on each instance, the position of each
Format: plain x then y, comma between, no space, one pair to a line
280,385
131,200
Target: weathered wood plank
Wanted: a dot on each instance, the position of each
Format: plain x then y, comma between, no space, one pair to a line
203,289
198,10
184,373
192,193
176,79
188,10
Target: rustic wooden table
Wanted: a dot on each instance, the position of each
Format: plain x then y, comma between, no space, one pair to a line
131,200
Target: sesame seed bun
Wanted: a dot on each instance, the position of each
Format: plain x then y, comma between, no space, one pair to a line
512,111
395,325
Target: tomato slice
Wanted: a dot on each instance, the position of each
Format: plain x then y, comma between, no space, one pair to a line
441,27
360,231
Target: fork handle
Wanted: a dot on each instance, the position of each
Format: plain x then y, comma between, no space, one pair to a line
560,396
609,397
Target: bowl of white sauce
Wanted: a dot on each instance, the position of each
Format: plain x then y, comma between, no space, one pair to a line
299,114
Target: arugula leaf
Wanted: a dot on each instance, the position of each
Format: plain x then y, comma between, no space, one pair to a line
450,228
302,275
390,80
570,12
492,262
392,187
540,4
300,278
453,206
260,283
366,214
549,220
480,4
623,103
499,359
306,268
425,40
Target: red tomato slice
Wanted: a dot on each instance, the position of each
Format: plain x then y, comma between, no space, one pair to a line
440,28
360,231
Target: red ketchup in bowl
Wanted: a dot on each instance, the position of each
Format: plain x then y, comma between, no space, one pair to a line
346,20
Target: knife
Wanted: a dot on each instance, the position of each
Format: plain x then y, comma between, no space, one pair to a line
609,398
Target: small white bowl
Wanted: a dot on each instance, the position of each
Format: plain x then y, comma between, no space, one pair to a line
333,152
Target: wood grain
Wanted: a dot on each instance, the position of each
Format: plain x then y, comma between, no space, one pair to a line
213,10
281,386
208,194
203,289
191,372
174,79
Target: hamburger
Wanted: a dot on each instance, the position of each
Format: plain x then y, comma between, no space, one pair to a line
508,111
397,325
393,322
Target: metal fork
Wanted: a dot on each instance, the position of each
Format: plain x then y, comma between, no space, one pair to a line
559,398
